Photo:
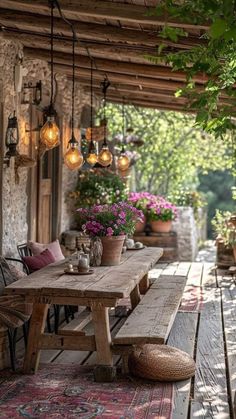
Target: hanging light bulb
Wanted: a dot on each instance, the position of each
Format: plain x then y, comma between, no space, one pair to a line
50,133
92,157
73,158
105,157
123,161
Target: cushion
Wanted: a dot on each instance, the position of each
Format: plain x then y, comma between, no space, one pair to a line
14,311
37,262
161,363
6,272
16,272
54,247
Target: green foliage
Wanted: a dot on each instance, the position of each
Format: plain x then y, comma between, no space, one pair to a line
187,198
98,187
174,150
221,225
216,57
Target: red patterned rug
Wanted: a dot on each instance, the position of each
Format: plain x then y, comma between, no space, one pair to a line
69,391
192,299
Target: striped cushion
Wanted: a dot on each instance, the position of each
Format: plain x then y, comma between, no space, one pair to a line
14,311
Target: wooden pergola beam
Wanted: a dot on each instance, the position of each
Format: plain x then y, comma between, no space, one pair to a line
149,104
128,13
143,70
92,31
113,51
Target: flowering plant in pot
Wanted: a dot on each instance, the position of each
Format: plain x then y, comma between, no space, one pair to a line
160,214
140,200
111,223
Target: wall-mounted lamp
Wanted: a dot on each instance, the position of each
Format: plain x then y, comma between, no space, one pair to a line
36,93
11,139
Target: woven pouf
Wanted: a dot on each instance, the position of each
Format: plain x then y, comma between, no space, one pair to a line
161,363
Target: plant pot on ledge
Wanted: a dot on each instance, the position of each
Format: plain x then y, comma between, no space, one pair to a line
160,226
140,226
112,248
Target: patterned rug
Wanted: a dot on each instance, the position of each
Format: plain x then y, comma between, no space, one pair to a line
69,391
192,299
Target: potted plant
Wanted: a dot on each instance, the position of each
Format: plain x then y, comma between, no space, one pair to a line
160,214
225,242
140,200
111,223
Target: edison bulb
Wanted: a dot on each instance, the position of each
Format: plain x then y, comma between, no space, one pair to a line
49,133
92,159
123,162
73,159
105,157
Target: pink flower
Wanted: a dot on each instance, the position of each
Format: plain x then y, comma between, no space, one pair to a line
110,231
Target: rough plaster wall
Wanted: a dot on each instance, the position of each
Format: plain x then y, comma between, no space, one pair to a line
15,226
186,229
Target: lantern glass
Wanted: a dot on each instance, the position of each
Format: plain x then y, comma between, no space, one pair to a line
73,158
92,159
50,133
123,162
105,157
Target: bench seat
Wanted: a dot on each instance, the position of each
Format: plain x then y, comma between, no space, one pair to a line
152,318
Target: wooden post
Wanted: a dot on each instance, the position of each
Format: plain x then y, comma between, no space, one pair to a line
37,325
105,370
135,297
144,284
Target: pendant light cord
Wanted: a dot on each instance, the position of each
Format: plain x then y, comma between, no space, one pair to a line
105,84
73,87
123,126
91,106
52,63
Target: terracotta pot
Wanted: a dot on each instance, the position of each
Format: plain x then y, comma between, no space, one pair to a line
139,228
161,226
112,248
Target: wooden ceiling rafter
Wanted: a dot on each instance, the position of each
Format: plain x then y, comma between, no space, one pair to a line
116,35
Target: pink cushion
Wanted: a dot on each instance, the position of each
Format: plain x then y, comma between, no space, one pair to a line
54,247
37,262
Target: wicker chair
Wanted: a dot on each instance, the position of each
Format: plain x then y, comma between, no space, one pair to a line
14,312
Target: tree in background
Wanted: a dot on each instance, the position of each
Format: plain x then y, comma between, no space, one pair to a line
175,151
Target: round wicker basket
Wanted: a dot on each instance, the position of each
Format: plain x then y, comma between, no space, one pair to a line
161,363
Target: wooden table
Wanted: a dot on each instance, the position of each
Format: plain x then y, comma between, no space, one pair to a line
99,291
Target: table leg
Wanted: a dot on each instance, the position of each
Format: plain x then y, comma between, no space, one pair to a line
135,297
37,325
144,284
104,371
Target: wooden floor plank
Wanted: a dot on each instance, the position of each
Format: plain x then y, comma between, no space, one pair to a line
182,336
195,274
205,410
183,268
210,383
209,275
171,268
224,279
229,319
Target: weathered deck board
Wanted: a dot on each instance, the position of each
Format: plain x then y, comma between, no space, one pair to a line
229,319
195,274
182,336
224,279
209,276
210,383
206,410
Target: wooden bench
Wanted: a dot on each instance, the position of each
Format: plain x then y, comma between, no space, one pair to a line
152,318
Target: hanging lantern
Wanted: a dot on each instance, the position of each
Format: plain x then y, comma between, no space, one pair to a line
92,157
50,133
73,158
105,157
123,161
12,137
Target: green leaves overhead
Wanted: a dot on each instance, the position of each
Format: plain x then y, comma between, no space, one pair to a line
214,104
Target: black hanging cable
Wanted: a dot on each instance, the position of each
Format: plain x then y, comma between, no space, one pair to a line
91,145
52,63
123,126
105,84
73,92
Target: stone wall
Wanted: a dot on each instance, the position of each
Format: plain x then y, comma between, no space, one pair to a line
15,199
189,234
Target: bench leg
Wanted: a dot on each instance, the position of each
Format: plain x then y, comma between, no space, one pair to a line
144,284
104,371
135,297
37,325
125,364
